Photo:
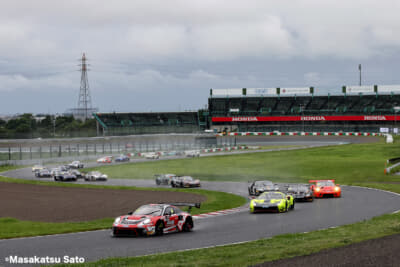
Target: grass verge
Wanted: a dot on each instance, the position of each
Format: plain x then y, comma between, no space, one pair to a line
11,228
346,164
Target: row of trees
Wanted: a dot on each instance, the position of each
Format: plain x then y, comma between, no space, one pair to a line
47,126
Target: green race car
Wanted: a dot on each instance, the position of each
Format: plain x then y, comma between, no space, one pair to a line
272,201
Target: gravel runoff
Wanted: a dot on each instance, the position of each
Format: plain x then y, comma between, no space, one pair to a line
375,252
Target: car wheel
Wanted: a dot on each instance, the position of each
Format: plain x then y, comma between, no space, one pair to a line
113,233
158,182
188,225
160,228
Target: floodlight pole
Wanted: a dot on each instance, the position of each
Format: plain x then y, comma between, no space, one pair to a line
396,109
359,68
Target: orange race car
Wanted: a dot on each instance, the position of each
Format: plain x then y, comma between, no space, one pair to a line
325,188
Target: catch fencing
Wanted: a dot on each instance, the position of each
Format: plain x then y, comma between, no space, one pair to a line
29,151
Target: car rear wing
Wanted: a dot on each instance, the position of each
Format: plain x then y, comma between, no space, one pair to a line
183,204
285,187
315,181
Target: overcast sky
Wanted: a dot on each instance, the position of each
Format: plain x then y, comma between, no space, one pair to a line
166,55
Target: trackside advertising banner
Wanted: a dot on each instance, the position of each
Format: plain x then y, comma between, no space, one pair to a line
305,118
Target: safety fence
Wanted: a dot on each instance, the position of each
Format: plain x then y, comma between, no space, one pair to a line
299,134
58,150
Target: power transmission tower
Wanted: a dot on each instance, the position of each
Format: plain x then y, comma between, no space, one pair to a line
85,101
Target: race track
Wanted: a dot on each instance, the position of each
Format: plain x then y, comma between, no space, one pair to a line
356,204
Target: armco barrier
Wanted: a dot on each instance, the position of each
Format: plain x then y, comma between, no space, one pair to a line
300,133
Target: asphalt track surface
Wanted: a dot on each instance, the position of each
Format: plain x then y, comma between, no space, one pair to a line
356,204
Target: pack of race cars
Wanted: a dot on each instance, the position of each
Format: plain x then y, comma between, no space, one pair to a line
68,172
282,197
157,219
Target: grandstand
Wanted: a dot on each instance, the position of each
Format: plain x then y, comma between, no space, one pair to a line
357,109
149,122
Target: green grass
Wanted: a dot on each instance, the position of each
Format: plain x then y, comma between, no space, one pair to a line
11,228
346,163
278,247
4,168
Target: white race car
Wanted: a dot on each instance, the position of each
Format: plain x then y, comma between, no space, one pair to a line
76,164
107,159
95,176
151,155
192,153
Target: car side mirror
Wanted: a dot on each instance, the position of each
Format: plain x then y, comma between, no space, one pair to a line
288,197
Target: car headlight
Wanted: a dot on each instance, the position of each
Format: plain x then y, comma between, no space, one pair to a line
146,221
117,220
254,203
317,189
337,188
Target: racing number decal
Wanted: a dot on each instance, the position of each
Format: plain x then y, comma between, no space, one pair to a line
171,220
170,217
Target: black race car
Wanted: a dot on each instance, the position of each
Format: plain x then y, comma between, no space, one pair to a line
258,187
64,176
300,192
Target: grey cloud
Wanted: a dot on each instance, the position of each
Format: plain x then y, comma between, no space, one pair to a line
182,48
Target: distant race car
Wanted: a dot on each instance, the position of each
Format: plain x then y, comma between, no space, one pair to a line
64,176
163,179
122,158
154,219
95,176
192,153
37,168
43,173
63,168
300,192
258,187
107,159
272,201
151,155
171,153
325,188
77,173
184,181
76,164
53,171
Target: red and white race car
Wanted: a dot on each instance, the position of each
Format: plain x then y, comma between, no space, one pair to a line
107,159
325,188
154,219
